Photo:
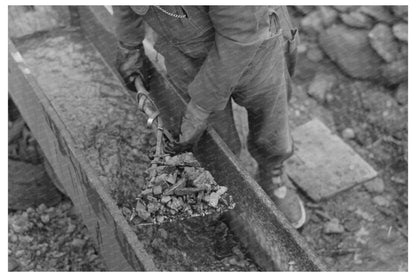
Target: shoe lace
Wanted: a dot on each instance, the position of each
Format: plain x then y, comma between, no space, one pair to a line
276,175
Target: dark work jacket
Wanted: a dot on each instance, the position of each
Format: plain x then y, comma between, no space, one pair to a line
225,37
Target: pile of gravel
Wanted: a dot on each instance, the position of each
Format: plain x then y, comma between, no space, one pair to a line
50,239
177,187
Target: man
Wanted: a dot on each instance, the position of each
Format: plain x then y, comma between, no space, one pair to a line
215,53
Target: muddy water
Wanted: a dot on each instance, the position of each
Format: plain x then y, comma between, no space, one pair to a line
107,126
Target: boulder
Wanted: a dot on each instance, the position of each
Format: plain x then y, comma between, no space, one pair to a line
357,20
383,42
400,31
305,9
328,15
401,12
395,72
312,23
344,9
379,13
350,49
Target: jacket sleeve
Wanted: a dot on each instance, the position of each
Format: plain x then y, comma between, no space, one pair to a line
239,31
129,26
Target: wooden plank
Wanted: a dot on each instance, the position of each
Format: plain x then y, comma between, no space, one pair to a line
115,240
324,165
273,242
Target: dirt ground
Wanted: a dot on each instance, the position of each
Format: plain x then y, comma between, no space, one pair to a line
365,228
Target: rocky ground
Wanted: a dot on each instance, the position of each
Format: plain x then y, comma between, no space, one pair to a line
352,74
45,232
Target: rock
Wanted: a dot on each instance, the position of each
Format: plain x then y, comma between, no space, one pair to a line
171,178
348,133
21,224
221,190
78,243
376,185
25,239
141,211
175,204
401,12
357,20
213,199
395,72
401,94
322,84
383,42
362,235
71,228
315,54
381,201
163,233
204,179
333,227
305,9
350,50
312,23
41,208
328,15
165,199
400,31
379,13
146,191
19,253
153,207
44,218
157,190
13,238
343,8
126,212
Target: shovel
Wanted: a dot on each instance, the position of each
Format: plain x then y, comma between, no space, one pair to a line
177,187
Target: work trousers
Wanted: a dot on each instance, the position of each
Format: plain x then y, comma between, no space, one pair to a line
263,90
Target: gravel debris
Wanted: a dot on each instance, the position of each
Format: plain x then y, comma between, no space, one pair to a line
333,227
348,133
177,187
50,239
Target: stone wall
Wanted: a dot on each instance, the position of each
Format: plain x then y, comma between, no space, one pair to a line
366,42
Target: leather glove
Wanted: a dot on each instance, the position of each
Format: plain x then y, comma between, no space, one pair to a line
131,63
193,125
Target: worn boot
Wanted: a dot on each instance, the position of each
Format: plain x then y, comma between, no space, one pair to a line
277,185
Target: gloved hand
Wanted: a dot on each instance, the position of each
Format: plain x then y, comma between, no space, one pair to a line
131,63
194,123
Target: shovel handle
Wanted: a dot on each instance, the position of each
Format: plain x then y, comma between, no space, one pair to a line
147,106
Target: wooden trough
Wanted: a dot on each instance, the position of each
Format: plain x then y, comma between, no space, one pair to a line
66,113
